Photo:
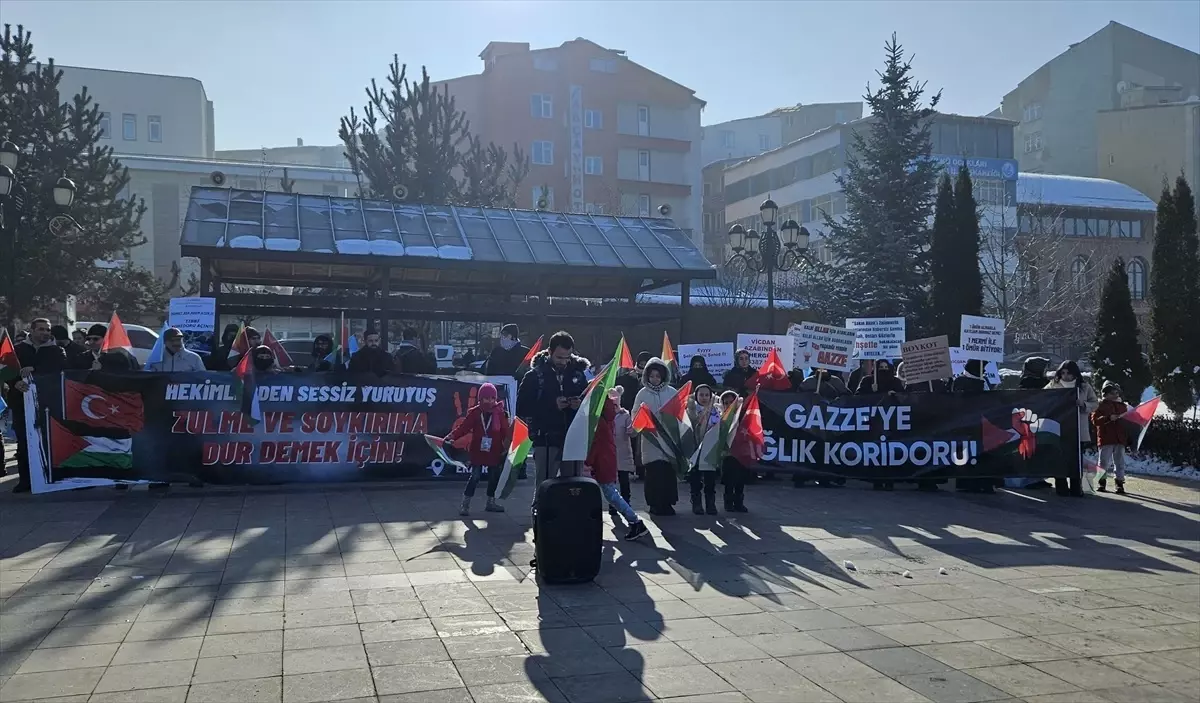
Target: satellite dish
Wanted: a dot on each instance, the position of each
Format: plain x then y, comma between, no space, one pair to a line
542,204
1122,86
400,193
664,210
217,178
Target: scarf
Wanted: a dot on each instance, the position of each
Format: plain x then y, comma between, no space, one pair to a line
509,344
1066,384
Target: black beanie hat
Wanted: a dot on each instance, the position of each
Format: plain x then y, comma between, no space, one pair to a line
97,330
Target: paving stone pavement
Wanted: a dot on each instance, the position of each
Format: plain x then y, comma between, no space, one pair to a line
382,593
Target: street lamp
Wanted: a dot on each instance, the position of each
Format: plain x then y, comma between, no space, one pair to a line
768,251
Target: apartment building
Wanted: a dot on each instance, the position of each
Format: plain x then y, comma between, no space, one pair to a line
1058,105
147,114
751,136
1152,139
602,133
716,234
301,154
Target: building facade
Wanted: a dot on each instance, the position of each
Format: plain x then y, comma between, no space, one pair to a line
146,114
301,155
1057,106
602,133
1145,145
741,138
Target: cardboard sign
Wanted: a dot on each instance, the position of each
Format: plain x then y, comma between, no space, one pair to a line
760,345
717,355
823,347
193,314
927,359
982,338
958,364
877,337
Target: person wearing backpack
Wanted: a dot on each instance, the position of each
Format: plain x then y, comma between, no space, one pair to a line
547,398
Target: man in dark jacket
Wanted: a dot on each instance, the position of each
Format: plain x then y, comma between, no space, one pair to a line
630,380
740,378
89,358
63,339
547,399
371,358
697,374
1033,373
971,379
322,347
218,360
409,356
38,353
883,380
506,358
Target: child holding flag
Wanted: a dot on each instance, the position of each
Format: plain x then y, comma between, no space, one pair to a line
489,427
1110,434
602,461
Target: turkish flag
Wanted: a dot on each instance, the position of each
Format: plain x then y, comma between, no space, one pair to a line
92,405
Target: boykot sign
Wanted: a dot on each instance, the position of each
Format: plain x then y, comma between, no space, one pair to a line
760,345
927,359
877,337
823,347
95,428
922,435
718,356
982,338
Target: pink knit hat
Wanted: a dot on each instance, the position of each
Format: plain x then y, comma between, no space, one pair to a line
487,392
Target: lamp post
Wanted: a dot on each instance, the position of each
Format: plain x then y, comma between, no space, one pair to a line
770,250
15,200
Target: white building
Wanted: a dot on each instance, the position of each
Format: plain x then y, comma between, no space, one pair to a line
741,138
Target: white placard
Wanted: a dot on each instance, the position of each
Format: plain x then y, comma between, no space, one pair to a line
193,314
877,337
927,359
824,347
718,356
958,363
982,338
760,345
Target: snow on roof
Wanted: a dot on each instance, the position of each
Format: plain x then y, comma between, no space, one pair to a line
1075,191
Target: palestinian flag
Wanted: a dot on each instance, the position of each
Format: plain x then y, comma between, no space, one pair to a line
583,427
246,389
749,442
716,445
281,356
772,376
528,360
116,337
10,365
1137,420
343,345
668,356
626,357
240,345
670,429
439,450
68,450
518,450
1026,431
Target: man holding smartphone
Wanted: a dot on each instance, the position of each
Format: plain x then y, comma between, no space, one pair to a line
547,399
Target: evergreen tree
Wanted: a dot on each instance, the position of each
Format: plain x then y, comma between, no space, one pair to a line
411,134
966,246
941,264
59,138
1174,290
879,249
1116,355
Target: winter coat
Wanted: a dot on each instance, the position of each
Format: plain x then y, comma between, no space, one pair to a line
654,400
937,385
497,431
740,380
831,386
371,360
538,390
1110,431
697,376
630,384
965,383
704,420
182,360
884,383
1033,373
320,363
47,358
1087,402
120,359
505,362
410,359
602,456
623,437
218,360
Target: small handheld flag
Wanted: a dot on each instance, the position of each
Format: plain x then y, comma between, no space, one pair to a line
116,337
246,389
772,376
240,344
281,355
668,356
518,451
750,441
1138,419
626,357
10,365
439,450
158,352
537,347
582,430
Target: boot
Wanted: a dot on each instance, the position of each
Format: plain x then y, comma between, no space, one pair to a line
465,508
740,500
728,501
710,503
1103,487
493,507
1120,488
697,509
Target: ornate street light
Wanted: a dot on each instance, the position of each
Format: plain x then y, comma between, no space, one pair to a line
769,251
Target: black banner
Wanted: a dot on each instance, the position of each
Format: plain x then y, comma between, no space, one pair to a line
923,435
184,427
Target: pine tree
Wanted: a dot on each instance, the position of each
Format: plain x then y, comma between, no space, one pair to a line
1174,290
1116,355
63,137
966,245
879,250
941,264
412,134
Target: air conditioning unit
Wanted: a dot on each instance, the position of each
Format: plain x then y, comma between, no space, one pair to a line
217,178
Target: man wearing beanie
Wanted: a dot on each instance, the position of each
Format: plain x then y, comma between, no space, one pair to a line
90,358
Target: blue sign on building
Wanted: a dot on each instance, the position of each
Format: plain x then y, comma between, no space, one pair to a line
999,169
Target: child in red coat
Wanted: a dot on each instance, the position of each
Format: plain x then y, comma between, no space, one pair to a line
490,432
1110,434
602,461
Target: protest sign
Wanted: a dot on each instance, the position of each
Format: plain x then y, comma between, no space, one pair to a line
927,359
718,356
876,337
958,364
982,338
822,346
193,314
760,345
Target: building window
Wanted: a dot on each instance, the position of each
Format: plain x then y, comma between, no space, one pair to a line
105,125
593,165
839,116
1080,274
1033,142
1032,111
643,165
764,142
643,121
707,189
593,119
593,208
603,65
541,105
129,127
1135,230
543,192
728,138
154,128
545,63
542,153
988,191
708,222
333,190
1137,278
643,205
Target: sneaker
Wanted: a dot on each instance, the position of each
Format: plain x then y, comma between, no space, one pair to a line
1120,488
1103,487
637,529
493,506
465,508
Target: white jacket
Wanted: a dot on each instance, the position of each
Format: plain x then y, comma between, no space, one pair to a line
654,400
182,360
1087,395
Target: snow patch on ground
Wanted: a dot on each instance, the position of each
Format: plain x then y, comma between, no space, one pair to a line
1146,465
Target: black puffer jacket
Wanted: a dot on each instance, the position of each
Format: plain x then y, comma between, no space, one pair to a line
319,362
538,392
1033,373
697,374
505,362
739,379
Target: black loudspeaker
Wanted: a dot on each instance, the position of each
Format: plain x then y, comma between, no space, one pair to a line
568,530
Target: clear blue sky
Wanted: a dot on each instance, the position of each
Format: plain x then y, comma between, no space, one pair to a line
276,71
